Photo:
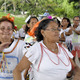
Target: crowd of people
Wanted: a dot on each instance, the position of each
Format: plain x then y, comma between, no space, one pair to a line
48,49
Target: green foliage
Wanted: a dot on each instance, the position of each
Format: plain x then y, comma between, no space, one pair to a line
68,8
19,20
2,14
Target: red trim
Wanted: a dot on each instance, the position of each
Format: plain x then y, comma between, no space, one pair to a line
51,59
41,56
66,54
12,49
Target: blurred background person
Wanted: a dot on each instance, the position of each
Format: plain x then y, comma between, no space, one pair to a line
22,32
15,33
46,13
76,39
66,32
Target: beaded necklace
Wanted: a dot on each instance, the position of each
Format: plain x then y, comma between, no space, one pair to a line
66,54
3,63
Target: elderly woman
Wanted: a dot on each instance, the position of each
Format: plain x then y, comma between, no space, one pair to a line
11,51
49,59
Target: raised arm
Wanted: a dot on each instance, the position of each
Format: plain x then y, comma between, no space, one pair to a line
68,33
24,64
77,32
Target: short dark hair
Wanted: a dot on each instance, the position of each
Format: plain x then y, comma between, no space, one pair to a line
4,18
68,20
31,18
27,28
42,26
76,16
55,18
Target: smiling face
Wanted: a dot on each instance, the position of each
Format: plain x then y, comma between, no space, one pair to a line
6,31
65,22
51,33
76,21
33,21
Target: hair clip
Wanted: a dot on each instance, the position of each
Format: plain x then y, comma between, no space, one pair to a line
9,18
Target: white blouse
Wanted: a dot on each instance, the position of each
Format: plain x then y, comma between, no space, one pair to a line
52,66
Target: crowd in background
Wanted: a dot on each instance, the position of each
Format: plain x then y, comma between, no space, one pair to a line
47,35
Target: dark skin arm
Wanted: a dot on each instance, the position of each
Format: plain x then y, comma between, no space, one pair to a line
68,33
23,64
62,38
77,32
25,73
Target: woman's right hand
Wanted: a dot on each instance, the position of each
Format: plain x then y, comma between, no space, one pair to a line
4,45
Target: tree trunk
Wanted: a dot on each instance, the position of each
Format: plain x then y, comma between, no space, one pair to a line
14,6
5,7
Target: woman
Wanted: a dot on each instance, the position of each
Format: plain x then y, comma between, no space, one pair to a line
66,32
11,51
76,39
46,56
29,26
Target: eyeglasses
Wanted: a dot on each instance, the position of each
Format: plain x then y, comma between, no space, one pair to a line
8,29
53,29
76,20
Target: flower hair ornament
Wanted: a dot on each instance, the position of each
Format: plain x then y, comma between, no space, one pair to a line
32,32
9,18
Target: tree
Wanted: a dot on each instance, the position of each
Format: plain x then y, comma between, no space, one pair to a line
67,8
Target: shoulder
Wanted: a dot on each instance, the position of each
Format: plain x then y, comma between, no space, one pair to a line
35,48
36,45
21,43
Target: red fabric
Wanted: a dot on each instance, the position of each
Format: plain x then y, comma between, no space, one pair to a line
74,53
15,27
